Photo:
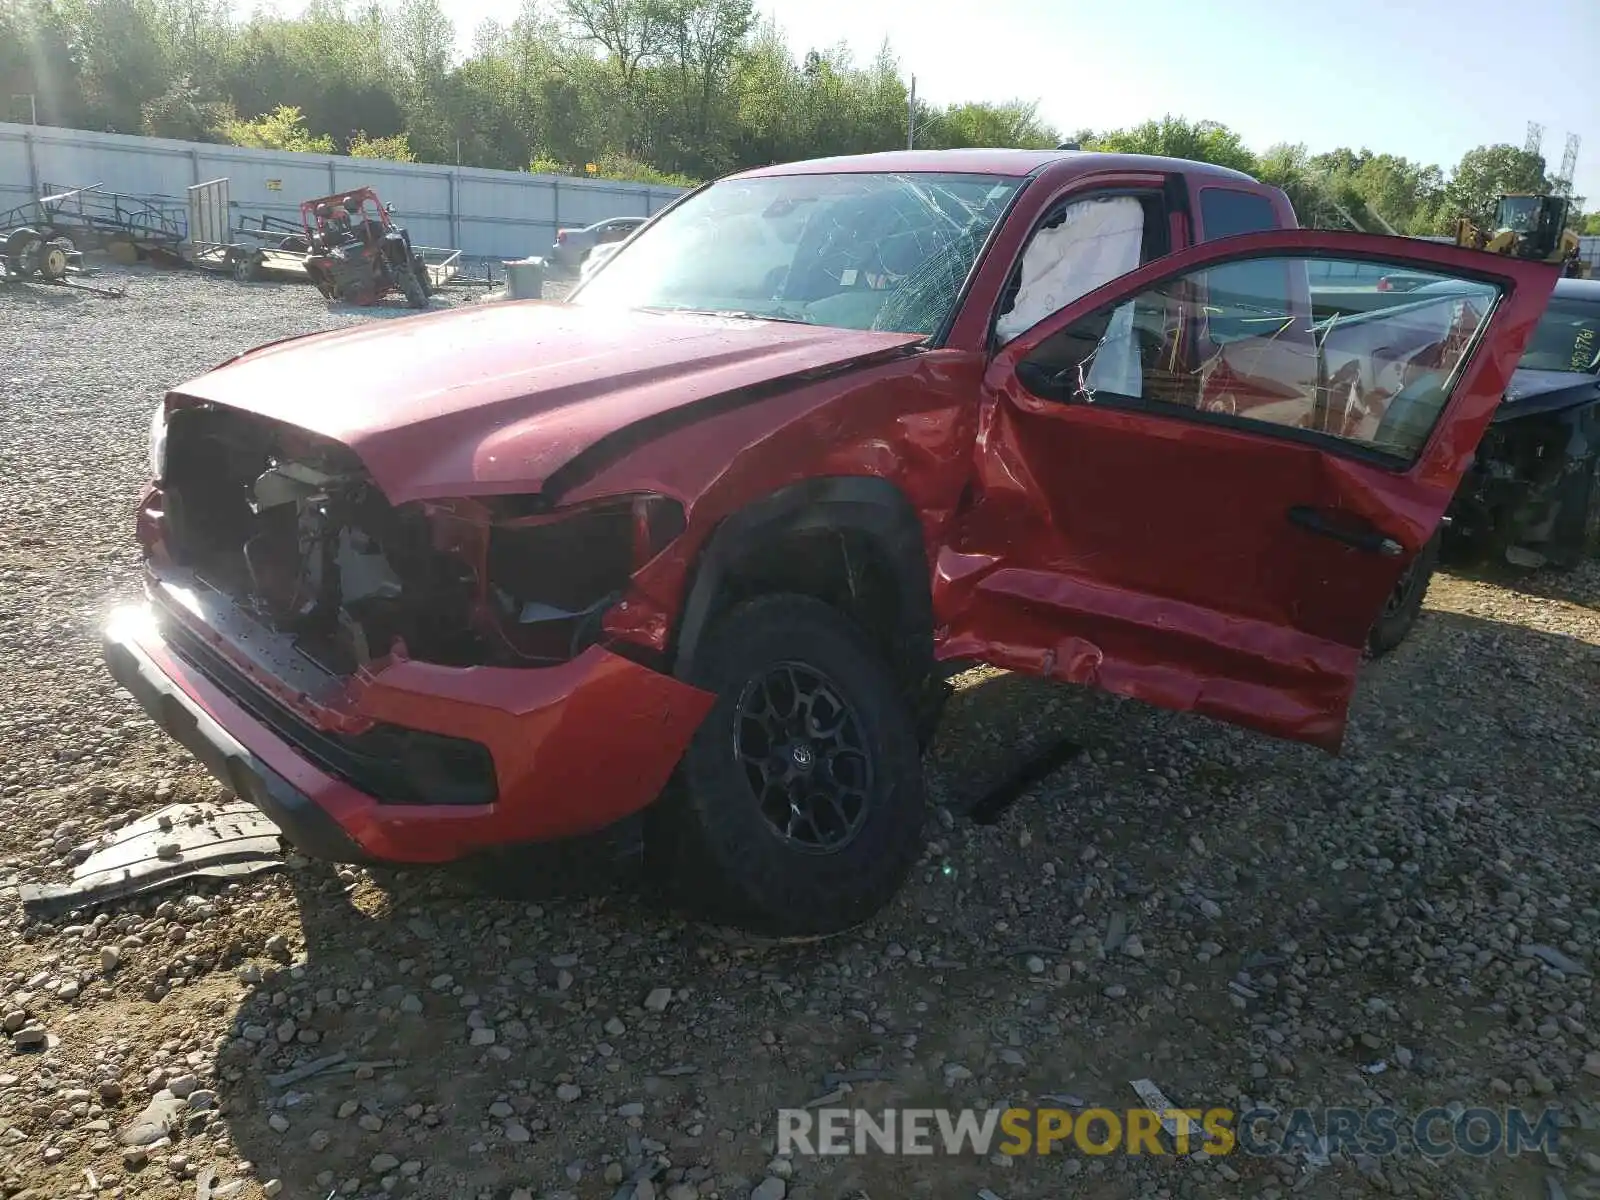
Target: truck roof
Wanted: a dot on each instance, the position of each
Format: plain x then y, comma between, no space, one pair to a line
985,161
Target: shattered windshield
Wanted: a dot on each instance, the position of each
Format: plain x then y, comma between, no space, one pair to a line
854,251
1567,338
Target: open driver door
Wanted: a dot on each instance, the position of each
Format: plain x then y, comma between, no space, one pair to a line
1175,499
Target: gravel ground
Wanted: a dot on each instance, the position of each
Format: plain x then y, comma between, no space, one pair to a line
1237,919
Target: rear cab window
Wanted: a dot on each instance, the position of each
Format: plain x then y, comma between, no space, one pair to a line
1228,212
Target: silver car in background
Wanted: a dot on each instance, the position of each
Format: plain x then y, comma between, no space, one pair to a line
573,246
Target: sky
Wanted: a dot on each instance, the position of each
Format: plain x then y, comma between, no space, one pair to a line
1427,79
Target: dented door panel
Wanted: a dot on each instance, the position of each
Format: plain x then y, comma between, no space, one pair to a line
1202,561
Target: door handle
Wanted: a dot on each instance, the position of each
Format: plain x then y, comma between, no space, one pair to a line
1372,541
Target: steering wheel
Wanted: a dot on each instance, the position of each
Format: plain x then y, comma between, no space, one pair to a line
846,249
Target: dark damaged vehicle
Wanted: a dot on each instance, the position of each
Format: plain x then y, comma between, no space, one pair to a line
1532,496
694,552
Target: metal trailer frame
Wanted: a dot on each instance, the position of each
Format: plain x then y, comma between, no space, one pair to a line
93,217
247,263
212,246
268,228
442,265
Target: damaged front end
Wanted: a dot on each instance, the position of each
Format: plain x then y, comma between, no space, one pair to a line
434,673
292,529
1532,495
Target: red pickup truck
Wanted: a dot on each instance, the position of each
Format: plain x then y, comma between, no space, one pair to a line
695,551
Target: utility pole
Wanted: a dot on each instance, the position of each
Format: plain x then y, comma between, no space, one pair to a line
911,116
33,105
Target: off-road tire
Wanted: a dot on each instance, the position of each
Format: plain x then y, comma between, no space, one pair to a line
1405,602
246,267
23,249
420,270
708,840
411,287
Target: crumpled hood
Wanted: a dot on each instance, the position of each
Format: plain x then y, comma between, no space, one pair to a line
493,398
1533,392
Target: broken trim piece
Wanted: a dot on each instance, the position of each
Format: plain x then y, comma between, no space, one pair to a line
181,841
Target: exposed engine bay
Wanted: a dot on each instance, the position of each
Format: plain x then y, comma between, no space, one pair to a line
293,530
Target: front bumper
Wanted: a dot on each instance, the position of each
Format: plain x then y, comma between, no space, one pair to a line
576,747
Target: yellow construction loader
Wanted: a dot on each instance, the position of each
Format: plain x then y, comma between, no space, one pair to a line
1528,226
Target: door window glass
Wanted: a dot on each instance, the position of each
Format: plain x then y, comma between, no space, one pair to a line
1265,349
1225,212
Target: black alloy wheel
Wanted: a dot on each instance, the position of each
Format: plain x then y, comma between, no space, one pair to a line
805,755
798,807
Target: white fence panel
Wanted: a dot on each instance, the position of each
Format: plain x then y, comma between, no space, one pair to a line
501,212
17,180
252,174
79,161
490,214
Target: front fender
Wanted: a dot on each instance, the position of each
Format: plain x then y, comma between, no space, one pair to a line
867,505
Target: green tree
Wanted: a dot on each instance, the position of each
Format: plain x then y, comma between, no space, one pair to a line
620,166
1014,123
1290,167
122,58
653,90
766,86
184,113
1175,137
703,40
39,60
420,38
1378,192
333,65
1488,172
396,148
632,32
284,128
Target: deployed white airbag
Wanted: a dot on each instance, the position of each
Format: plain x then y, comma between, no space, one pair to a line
1096,242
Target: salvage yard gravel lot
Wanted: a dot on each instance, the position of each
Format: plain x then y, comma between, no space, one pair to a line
1412,924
